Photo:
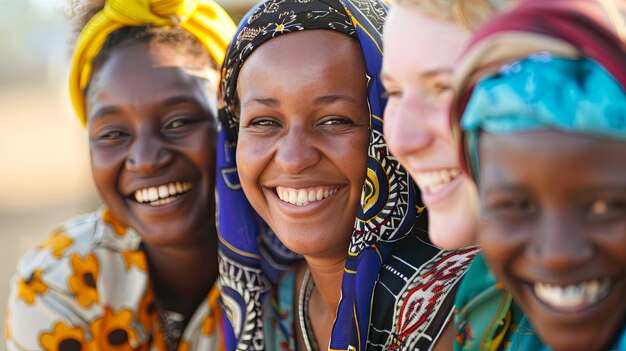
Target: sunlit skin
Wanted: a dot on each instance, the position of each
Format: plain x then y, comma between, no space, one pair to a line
420,53
151,122
554,212
305,124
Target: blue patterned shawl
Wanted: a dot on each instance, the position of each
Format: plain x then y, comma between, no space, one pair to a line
251,258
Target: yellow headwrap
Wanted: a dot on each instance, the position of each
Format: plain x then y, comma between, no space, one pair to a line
205,19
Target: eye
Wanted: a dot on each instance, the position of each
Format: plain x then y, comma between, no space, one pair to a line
334,121
607,208
180,122
391,93
511,207
112,135
264,122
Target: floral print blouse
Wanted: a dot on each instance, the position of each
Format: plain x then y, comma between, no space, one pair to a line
87,288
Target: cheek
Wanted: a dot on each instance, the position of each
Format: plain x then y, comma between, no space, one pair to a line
105,166
499,244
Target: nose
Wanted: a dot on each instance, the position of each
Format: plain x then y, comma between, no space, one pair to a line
407,130
297,151
561,243
147,154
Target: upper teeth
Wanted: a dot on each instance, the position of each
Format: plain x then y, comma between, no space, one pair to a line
301,197
573,296
436,180
157,194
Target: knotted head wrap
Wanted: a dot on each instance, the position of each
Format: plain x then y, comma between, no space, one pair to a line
595,29
251,257
204,19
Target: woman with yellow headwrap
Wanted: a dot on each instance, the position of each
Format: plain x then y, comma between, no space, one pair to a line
140,272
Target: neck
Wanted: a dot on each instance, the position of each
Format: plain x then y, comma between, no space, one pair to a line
328,274
182,276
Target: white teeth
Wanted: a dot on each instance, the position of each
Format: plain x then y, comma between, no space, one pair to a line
302,197
163,191
163,194
305,196
435,181
153,194
575,296
139,195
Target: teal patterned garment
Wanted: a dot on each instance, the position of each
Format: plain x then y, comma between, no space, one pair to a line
545,92
488,319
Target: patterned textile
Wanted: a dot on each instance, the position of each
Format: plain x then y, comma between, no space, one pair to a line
486,318
541,92
597,31
251,256
87,288
205,19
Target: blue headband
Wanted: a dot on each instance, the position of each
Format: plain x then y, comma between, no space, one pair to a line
545,92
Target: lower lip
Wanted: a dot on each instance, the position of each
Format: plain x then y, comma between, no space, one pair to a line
309,209
439,196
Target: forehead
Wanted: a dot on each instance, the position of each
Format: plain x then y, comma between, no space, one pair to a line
317,57
140,72
550,157
415,41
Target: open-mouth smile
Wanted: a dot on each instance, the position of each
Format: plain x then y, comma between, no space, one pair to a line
434,181
161,194
573,297
305,196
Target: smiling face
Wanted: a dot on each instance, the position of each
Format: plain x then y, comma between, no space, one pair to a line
152,132
420,53
303,136
553,230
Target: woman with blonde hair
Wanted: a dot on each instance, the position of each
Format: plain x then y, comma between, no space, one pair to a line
423,41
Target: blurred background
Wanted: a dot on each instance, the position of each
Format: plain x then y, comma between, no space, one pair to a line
44,160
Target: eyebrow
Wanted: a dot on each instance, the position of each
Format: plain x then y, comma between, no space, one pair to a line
269,102
329,99
180,99
103,111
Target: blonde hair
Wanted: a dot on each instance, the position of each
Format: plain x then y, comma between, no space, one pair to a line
467,13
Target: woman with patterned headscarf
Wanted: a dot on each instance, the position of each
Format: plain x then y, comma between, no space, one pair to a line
423,41
140,273
540,116
302,140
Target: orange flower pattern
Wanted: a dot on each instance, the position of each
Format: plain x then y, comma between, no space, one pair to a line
58,242
118,227
64,338
32,286
113,331
83,282
135,258
89,290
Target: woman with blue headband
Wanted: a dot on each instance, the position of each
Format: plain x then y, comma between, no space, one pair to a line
542,119
302,140
140,273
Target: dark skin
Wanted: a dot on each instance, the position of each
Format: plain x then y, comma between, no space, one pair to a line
554,231
307,133
151,124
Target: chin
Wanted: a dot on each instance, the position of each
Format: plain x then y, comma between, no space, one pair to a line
450,231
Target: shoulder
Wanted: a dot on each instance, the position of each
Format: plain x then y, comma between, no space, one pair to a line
415,292
77,238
